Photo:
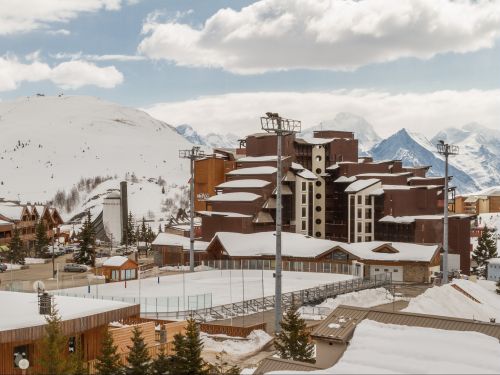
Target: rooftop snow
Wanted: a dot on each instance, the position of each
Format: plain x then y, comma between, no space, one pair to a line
344,179
494,261
249,183
378,348
411,219
3,222
20,310
316,141
251,171
359,185
234,197
168,239
307,174
220,213
115,261
253,159
264,243
447,301
405,251
384,174
11,212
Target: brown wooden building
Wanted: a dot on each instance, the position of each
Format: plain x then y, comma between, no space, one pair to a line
119,268
22,327
171,249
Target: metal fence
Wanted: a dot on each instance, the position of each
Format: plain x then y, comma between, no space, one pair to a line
154,305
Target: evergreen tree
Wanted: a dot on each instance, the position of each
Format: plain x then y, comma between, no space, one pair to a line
144,231
41,240
150,235
222,367
163,189
130,229
498,287
54,347
108,362
161,364
292,342
159,229
486,249
187,358
86,255
17,251
138,357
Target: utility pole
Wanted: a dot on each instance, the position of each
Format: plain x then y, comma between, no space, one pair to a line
193,154
446,150
273,123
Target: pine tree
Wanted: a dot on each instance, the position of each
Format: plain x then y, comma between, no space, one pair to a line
130,229
159,229
486,249
144,231
187,358
163,189
41,239
161,364
53,350
108,362
292,342
86,255
498,287
17,251
222,367
138,357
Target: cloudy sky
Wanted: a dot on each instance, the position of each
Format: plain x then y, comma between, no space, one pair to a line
219,64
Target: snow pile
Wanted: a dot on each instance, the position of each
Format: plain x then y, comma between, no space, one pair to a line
35,260
378,348
447,301
363,298
236,346
13,267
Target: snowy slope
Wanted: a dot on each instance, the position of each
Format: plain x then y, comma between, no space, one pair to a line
344,121
212,140
479,152
49,143
414,149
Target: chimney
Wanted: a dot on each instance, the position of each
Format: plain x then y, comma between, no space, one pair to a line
44,303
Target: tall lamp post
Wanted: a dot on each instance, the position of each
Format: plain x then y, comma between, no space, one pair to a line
273,123
192,154
446,150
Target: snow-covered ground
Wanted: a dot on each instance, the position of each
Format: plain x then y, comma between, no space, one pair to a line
236,347
447,301
363,298
378,348
222,287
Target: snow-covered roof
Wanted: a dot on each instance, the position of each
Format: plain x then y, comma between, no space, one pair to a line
411,219
11,212
252,171
307,174
3,222
234,197
383,174
248,183
379,348
447,300
23,310
264,243
344,179
494,261
316,141
168,239
253,159
403,251
297,166
359,185
115,261
220,213
285,190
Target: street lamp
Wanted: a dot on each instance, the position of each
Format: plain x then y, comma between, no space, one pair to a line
192,154
273,123
446,150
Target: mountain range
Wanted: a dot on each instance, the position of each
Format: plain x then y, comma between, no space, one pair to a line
476,167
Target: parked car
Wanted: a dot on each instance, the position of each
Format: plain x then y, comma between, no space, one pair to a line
3,267
75,267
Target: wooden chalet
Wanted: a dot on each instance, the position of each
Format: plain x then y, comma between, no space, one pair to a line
119,268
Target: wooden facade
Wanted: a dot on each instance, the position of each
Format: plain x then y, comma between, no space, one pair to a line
127,271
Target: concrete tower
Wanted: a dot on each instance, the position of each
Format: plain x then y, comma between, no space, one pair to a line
112,217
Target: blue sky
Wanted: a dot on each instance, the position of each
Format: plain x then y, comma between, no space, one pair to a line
195,54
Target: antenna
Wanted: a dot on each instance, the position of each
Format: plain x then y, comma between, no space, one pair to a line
446,150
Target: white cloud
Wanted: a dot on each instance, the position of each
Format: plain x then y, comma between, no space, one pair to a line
81,56
17,16
324,34
67,75
426,113
59,32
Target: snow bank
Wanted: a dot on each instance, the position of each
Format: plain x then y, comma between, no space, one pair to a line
236,346
447,301
35,261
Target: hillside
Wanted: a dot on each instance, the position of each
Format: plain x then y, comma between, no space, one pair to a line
50,144
212,140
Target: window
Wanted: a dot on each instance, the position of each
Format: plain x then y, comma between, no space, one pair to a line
368,227
360,199
318,171
318,158
304,186
376,270
360,239
304,212
368,200
395,270
386,270
304,225
318,234
72,344
318,208
368,238
360,213
20,352
304,198
318,196
360,227
318,221
368,213
318,183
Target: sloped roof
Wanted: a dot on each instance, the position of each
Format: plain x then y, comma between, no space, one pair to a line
116,261
252,171
168,239
234,197
401,251
248,183
359,185
12,212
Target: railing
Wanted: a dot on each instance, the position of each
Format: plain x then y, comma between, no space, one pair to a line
311,296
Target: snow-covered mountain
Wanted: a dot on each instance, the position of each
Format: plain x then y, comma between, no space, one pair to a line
479,152
363,130
50,144
414,149
211,139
